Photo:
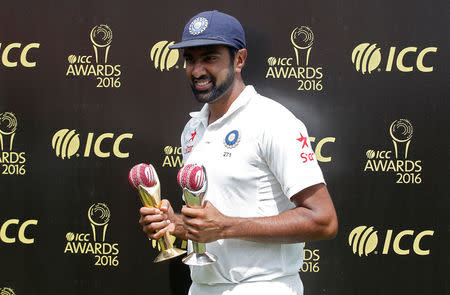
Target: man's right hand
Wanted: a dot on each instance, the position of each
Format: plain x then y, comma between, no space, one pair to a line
156,222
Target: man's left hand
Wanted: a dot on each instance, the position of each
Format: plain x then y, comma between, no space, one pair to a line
204,224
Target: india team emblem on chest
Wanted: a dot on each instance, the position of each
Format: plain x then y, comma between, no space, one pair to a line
232,139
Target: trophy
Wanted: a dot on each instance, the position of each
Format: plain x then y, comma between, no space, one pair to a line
144,178
401,131
192,179
101,37
99,216
8,126
302,38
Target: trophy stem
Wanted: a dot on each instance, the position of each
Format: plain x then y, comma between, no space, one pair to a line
163,243
96,53
199,247
11,140
199,256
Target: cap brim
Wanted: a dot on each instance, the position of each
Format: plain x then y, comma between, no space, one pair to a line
199,42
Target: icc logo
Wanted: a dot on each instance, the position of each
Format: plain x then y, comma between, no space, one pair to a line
96,65
172,156
401,132
24,61
8,126
67,143
298,67
367,57
396,160
163,57
11,162
302,39
364,240
94,243
6,233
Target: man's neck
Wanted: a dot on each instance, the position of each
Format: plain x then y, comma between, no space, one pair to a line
219,107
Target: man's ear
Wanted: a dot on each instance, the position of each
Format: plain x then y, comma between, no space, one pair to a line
239,60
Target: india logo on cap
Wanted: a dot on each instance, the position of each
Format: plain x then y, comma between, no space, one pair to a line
198,25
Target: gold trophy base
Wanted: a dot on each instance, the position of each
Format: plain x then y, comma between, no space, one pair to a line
199,259
168,254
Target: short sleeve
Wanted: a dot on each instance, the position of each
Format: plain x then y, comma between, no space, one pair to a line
189,137
285,146
183,142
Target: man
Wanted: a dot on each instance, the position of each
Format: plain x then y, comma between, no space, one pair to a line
266,193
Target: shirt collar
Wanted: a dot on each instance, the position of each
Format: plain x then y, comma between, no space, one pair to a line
240,101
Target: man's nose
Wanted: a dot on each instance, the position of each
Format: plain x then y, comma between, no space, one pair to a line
198,69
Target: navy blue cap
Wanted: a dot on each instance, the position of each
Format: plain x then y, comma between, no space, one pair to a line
212,28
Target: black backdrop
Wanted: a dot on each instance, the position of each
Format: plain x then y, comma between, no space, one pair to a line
69,140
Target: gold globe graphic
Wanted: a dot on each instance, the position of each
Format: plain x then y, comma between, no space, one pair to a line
6,291
401,130
271,61
70,236
72,59
363,240
168,150
65,143
99,214
101,35
302,37
163,57
370,154
8,123
366,57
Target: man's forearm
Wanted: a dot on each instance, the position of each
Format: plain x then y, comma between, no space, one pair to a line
314,218
292,226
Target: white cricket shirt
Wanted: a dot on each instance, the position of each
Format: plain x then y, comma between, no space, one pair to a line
256,157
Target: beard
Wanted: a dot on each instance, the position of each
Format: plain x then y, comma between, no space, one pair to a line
216,91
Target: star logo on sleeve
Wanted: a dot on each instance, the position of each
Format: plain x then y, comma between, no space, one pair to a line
193,135
303,140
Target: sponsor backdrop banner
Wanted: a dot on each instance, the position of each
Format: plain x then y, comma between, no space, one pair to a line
88,89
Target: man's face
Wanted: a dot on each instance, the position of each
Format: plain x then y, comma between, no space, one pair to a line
210,71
